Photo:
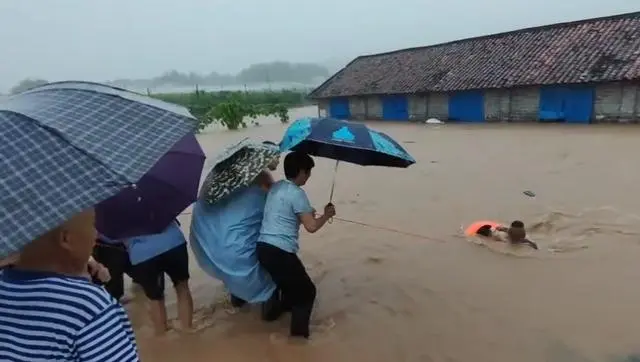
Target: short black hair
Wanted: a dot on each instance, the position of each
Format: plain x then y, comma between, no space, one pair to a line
295,162
517,224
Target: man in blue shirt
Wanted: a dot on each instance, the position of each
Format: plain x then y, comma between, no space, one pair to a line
154,255
286,208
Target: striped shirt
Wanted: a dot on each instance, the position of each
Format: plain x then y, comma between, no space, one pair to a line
50,317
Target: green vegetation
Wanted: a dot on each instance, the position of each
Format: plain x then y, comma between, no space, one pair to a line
234,109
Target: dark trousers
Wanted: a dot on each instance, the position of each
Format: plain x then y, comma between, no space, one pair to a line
296,287
115,258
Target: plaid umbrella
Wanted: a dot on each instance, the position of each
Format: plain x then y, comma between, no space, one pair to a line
236,167
67,146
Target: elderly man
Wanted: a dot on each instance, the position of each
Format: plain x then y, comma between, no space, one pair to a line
50,311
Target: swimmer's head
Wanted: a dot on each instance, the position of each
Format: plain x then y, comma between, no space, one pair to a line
517,232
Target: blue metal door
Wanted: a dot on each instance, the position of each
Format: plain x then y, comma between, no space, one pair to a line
569,103
339,108
578,104
467,106
395,108
551,104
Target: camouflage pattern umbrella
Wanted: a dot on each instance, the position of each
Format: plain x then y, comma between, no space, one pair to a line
236,167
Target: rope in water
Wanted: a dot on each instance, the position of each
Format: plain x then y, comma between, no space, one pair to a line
419,236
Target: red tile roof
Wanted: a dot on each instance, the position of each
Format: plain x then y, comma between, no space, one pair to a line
593,50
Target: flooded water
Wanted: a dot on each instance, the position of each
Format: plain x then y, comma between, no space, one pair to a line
435,295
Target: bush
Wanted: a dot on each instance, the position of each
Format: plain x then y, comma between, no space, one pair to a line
231,108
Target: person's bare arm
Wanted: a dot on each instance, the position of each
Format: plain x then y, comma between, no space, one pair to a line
312,223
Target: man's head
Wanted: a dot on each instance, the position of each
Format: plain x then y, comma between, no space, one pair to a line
297,167
273,165
64,249
517,233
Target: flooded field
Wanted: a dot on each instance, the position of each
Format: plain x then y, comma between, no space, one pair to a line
435,295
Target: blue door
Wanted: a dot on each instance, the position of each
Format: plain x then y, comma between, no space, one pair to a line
579,104
568,103
395,108
339,108
467,106
551,104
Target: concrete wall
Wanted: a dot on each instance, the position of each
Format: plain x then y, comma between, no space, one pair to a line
358,107
418,107
617,102
438,106
374,108
511,105
323,107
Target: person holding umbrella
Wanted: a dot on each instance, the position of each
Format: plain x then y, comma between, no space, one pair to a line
286,208
65,147
227,219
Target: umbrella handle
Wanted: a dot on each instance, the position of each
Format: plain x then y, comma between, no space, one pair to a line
333,185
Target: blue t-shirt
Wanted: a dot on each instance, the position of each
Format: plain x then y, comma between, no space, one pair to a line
142,248
52,317
280,224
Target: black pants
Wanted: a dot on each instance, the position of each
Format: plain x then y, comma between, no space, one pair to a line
150,273
115,258
297,290
272,309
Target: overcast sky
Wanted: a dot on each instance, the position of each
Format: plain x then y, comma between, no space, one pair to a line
103,40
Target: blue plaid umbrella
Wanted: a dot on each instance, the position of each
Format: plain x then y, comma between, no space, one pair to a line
67,146
344,141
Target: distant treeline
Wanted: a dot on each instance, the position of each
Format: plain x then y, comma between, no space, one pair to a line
276,72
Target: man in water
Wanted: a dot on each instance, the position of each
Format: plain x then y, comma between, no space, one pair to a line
287,207
516,234
51,311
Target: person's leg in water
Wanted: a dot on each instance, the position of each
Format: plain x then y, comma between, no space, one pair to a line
291,277
151,278
176,265
237,302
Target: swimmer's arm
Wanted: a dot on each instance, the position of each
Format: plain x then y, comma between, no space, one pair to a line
530,243
502,228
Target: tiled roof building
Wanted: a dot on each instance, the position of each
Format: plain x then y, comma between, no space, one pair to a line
577,54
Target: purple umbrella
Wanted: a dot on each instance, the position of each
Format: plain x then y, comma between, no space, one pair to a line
149,206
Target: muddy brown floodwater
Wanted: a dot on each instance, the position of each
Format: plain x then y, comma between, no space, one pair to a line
386,296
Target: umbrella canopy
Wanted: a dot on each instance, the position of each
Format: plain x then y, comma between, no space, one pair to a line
344,141
149,206
65,147
236,167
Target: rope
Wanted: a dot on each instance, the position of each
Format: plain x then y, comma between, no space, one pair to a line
391,230
419,236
